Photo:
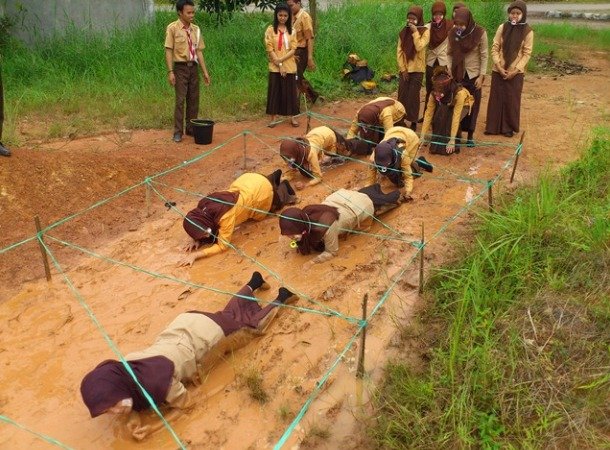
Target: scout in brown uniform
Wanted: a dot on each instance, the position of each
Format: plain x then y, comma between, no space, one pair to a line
3,150
411,58
281,44
375,118
303,26
316,228
183,55
468,62
176,356
439,43
510,51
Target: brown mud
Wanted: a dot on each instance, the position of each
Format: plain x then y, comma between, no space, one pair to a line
48,341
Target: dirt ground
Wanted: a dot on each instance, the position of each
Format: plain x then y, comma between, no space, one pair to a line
48,341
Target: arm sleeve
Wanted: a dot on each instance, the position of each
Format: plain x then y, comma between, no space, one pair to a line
371,171
528,45
496,45
293,40
400,58
484,52
457,112
169,37
225,231
353,129
200,43
425,129
268,41
408,155
386,118
315,170
421,40
331,239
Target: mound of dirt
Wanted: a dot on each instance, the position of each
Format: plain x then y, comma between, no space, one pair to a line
549,63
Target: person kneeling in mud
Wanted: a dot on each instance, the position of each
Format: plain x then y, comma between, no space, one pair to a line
394,159
176,357
374,119
316,228
319,146
213,220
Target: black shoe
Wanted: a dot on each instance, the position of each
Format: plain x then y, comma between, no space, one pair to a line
509,134
257,282
177,136
4,151
424,164
470,143
421,120
284,296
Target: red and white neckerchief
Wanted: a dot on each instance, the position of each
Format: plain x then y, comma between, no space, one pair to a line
191,46
282,40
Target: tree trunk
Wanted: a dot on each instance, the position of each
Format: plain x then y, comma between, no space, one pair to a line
313,12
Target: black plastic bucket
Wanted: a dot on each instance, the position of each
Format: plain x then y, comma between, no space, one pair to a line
203,129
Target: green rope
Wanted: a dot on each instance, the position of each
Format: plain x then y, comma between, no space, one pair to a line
331,312
240,252
17,244
44,437
109,341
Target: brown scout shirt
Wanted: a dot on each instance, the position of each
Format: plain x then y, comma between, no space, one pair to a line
176,38
303,27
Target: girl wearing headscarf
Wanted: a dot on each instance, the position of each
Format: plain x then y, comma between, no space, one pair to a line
392,158
174,358
281,44
468,62
510,51
375,118
439,43
316,228
304,154
250,196
448,104
411,58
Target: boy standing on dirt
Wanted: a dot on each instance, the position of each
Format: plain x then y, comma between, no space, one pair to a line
183,55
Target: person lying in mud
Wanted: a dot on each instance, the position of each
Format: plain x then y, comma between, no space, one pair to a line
305,154
250,196
394,158
375,118
176,357
316,228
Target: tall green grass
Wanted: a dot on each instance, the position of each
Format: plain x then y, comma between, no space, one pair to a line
515,341
85,84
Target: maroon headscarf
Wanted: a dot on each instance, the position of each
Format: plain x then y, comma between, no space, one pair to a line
460,46
369,115
297,150
207,215
406,36
514,35
438,33
442,82
311,222
109,383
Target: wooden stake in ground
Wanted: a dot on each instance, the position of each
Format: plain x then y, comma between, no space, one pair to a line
148,188
512,175
360,370
490,199
45,259
308,123
421,261
245,145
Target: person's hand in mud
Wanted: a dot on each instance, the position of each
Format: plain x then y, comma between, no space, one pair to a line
140,432
133,422
299,185
191,245
187,260
308,265
478,83
450,147
404,197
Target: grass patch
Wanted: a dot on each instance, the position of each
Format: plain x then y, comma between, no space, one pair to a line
315,435
516,350
253,380
121,81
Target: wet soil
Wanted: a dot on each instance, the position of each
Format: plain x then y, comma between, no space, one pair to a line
48,341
